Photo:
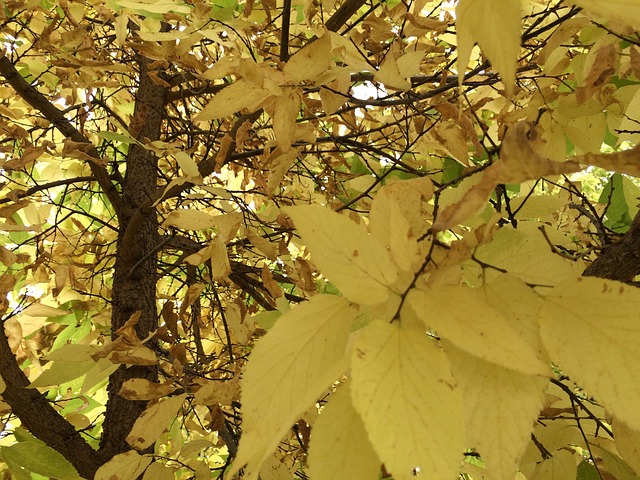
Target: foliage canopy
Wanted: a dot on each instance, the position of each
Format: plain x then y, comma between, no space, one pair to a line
320,240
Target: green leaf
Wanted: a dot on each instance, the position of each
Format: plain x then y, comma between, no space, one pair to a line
288,370
39,458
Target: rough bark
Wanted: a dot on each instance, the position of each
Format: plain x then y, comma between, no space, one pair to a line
40,418
621,260
134,280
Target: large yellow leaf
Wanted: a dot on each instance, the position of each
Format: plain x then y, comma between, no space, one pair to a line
311,61
340,448
462,316
495,25
411,408
525,255
287,371
628,443
590,328
359,265
153,422
501,407
124,466
232,99
627,11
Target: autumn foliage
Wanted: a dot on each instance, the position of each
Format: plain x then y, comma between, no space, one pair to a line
335,241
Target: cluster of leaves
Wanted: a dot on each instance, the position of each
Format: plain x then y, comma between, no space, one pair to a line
366,227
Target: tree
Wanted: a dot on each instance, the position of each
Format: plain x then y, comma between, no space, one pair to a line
318,240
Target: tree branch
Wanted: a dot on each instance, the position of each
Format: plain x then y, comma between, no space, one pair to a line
40,418
38,101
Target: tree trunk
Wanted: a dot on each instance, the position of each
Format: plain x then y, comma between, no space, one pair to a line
134,280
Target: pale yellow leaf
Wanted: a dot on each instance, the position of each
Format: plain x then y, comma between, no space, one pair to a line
590,328
340,448
453,139
187,164
220,266
232,99
154,421
495,25
158,471
189,219
353,260
525,254
124,466
270,249
520,304
409,63
462,316
627,11
286,109
409,402
395,219
288,370
62,372
37,309
628,443
501,407
561,466
311,61
389,74
143,389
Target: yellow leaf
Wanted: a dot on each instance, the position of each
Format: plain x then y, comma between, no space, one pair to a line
220,266
189,219
560,466
525,255
590,328
628,443
158,471
340,448
286,109
396,219
627,11
232,99
37,309
187,164
408,401
270,249
124,466
389,74
452,138
154,421
288,370
354,261
462,316
311,61
495,25
494,395
143,389
62,372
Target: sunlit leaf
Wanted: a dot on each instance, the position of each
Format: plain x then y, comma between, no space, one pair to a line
599,316
356,262
409,402
304,352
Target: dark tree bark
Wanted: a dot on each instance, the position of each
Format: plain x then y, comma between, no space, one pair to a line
621,260
134,280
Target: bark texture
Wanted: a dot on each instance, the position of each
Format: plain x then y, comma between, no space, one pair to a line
621,260
134,281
